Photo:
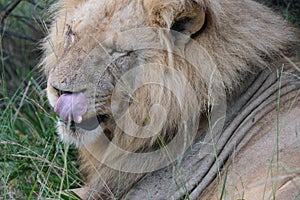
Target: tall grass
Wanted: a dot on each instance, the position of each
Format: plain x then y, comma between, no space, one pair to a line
33,162
31,156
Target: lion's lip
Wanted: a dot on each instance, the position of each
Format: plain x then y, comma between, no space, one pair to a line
88,124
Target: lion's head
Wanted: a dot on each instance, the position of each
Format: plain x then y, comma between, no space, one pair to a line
147,69
93,43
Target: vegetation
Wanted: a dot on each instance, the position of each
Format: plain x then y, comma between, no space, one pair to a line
33,162
290,9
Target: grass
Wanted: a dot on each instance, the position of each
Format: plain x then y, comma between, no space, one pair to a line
290,9
34,163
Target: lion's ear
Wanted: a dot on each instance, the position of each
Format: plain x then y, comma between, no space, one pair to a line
187,17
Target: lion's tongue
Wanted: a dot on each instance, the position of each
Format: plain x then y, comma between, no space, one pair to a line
71,105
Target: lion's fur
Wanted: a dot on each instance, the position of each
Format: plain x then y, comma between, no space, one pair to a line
240,36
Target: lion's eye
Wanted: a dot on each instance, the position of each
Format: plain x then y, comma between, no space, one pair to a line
116,54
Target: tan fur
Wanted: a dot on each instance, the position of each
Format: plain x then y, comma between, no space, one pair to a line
265,164
240,36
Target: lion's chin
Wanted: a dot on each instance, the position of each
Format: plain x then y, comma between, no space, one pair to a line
77,136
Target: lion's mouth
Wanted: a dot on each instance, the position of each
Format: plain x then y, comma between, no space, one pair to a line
88,124
71,107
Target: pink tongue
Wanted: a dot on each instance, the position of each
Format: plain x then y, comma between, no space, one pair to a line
72,106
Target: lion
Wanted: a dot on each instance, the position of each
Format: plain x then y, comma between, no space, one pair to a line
135,84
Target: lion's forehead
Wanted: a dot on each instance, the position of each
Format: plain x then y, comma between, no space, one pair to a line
101,19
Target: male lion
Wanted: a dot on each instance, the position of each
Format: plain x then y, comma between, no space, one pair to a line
137,82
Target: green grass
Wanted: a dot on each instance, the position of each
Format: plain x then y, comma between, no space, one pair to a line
33,162
290,9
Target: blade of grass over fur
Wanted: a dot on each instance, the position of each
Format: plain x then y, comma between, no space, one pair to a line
119,183
171,158
278,130
215,152
280,124
276,147
149,196
223,193
176,175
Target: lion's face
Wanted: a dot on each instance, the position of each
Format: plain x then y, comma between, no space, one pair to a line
92,47
93,44
114,67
